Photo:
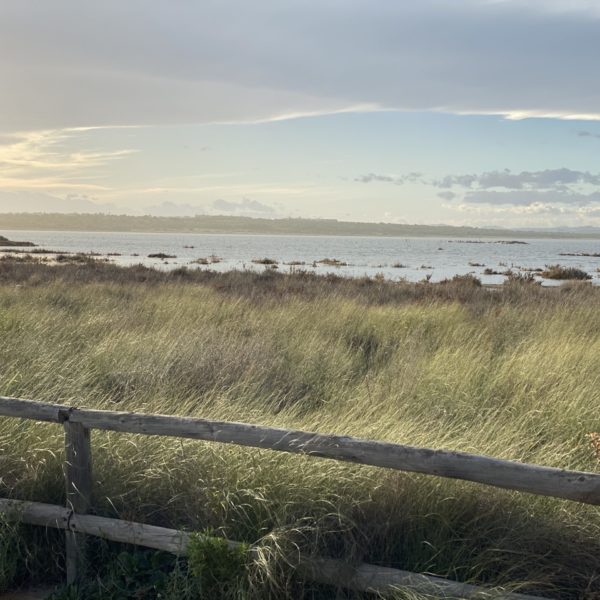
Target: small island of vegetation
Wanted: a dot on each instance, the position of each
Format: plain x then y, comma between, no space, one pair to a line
5,242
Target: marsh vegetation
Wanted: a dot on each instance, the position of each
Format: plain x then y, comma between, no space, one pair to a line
4,241
560,272
510,372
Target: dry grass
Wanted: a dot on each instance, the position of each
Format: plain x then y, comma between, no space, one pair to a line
595,443
510,371
332,262
558,272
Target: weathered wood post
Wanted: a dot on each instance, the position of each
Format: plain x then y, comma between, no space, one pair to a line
78,475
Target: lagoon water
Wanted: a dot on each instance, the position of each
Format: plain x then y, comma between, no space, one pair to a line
433,258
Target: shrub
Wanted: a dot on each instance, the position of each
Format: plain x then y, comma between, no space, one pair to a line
332,262
161,255
466,280
517,277
558,272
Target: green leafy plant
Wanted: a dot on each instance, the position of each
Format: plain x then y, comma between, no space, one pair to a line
218,567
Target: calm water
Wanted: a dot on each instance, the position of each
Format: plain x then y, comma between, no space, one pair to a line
435,258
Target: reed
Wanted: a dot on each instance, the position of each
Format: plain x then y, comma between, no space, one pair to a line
509,371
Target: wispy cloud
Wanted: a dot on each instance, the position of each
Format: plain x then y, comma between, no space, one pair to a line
444,56
550,187
41,201
245,207
546,179
238,188
395,179
44,160
531,197
526,188
448,195
504,187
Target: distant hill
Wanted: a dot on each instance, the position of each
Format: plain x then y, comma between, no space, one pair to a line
229,224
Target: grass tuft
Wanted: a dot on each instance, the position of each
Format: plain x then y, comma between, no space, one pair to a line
558,272
510,372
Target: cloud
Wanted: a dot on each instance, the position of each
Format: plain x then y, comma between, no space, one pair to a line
534,215
537,208
562,186
452,180
374,177
235,61
42,160
41,202
244,207
588,134
395,179
7,140
547,179
41,153
527,188
531,197
447,195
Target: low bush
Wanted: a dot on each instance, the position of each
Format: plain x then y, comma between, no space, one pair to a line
558,272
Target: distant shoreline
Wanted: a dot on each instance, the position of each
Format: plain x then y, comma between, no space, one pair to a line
224,225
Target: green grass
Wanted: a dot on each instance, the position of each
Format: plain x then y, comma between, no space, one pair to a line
510,372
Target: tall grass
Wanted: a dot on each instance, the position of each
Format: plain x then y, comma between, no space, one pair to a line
511,372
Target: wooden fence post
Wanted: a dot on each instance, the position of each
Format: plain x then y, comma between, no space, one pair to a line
78,475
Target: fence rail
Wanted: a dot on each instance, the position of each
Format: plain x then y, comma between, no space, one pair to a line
360,577
77,422
544,481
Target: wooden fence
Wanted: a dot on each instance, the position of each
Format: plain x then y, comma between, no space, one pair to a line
77,422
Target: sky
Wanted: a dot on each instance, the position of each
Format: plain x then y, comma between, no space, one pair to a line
465,112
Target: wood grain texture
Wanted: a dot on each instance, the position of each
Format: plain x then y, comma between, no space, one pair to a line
362,577
545,481
383,580
31,409
78,478
36,513
128,532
